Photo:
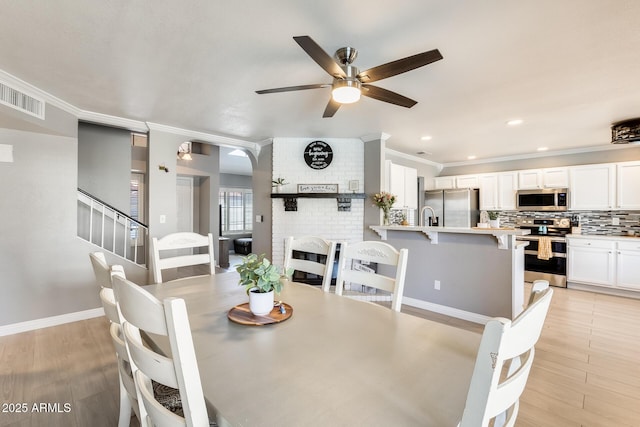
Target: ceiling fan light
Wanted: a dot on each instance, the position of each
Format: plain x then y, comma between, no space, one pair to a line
346,91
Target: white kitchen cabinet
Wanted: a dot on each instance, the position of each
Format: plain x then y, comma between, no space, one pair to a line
533,179
467,181
498,191
530,179
592,187
444,182
403,182
591,262
628,264
555,178
628,188
612,263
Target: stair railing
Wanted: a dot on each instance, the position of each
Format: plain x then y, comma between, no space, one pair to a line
111,229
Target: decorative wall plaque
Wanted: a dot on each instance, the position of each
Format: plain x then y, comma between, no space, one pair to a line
318,155
317,188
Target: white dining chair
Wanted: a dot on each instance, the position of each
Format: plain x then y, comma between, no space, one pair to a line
142,312
311,245
168,252
352,268
503,364
128,398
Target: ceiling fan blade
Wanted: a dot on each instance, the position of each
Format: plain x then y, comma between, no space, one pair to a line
292,88
385,95
331,108
320,56
399,66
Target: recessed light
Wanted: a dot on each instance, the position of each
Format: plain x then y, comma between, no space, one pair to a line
471,157
543,148
515,122
426,138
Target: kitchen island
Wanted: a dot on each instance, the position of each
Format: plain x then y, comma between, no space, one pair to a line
469,273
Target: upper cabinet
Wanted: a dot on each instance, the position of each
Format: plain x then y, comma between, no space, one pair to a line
606,186
467,181
451,182
533,179
628,179
444,182
403,182
555,178
592,187
498,191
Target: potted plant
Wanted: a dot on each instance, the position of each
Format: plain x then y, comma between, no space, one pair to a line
494,219
384,201
260,279
277,183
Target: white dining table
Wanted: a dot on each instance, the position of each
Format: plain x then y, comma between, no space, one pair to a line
335,362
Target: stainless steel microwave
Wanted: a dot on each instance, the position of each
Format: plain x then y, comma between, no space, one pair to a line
548,199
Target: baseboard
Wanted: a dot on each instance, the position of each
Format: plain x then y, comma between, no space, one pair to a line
447,311
46,322
604,290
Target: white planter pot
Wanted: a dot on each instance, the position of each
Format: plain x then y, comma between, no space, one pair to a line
494,223
260,303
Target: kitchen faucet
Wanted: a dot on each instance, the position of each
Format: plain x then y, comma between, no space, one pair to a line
434,218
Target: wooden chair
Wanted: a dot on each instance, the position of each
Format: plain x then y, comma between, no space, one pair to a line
104,273
141,311
503,363
313,245
174,243
351,255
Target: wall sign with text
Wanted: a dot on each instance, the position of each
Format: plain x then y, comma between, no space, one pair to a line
318,155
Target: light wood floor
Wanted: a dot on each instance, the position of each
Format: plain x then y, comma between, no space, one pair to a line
586,371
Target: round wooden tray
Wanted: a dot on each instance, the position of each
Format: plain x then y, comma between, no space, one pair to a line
241,314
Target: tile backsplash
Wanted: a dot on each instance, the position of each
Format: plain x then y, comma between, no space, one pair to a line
591,222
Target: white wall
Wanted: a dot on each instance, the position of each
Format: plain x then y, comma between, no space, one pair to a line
318,217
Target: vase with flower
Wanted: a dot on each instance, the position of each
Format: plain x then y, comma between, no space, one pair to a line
384,201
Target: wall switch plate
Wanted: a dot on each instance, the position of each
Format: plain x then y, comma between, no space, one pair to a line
436,285
259,218
163,219
615,221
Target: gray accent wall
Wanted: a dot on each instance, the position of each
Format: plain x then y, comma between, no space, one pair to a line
44,268
458,261
104,164
615,154
373,183
261,180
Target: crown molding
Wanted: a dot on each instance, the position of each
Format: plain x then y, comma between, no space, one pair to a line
413,158
45,96
207,137
375,137
120,122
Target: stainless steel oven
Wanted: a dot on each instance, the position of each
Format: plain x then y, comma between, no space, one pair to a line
536,266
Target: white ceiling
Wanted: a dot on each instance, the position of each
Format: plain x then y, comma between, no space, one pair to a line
567,68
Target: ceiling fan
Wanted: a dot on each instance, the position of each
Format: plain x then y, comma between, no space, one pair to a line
349,82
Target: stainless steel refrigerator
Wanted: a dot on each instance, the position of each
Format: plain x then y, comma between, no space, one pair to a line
454,208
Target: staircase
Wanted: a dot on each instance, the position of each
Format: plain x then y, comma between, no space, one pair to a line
112,230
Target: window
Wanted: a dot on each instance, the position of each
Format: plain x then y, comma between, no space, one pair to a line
236,210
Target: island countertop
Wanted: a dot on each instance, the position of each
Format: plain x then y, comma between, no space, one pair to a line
501,234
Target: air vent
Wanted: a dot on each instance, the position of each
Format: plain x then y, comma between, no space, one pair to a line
21,101
626,132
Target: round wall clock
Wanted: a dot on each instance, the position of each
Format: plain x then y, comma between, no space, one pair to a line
318,155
